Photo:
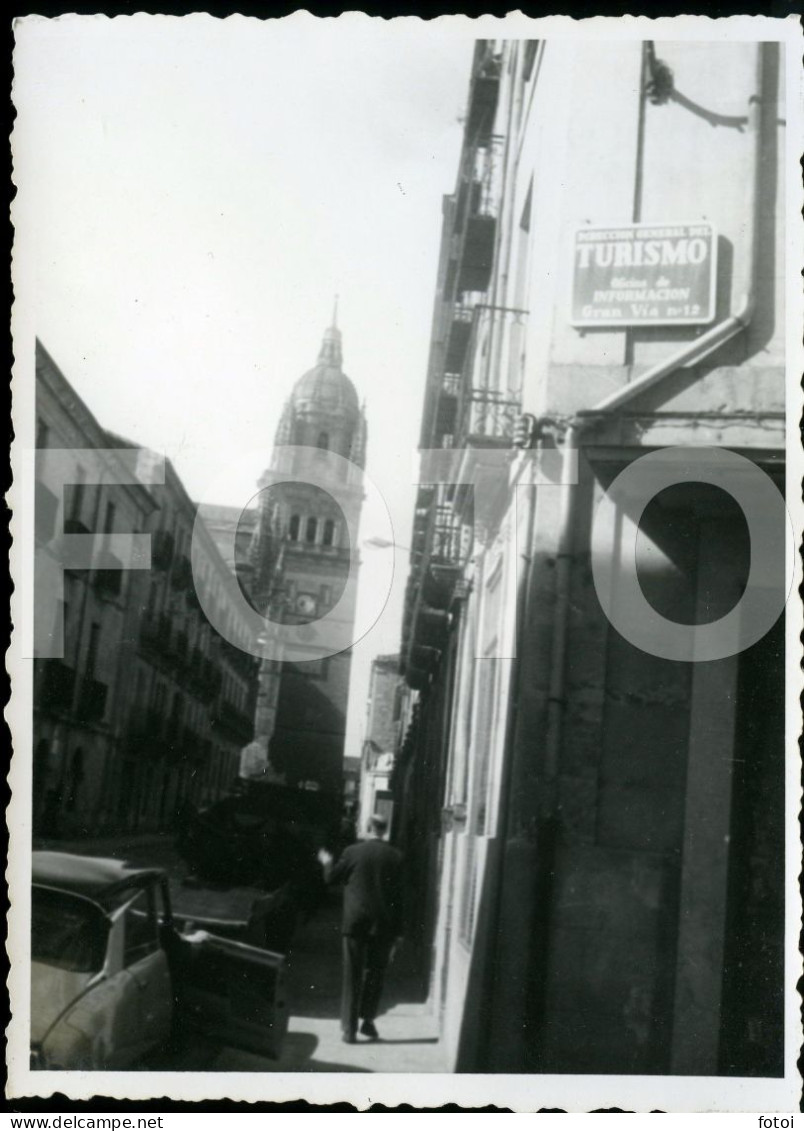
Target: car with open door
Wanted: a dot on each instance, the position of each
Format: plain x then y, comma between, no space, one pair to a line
113,978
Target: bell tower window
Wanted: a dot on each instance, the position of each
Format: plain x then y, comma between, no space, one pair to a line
329,533
293,528
311,530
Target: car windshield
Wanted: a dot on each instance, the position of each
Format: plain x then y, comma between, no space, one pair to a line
67,931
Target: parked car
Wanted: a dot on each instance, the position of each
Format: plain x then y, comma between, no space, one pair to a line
113,977
265,834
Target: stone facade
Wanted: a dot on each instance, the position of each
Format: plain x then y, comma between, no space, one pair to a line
148,707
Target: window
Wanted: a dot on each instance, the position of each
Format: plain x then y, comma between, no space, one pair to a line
153,594
293,528
311,669
92,650
46,508
329,533
75,779
42,433
311,530
140,928
529,58
108,522
76,495
524,219
69,649
323,441
140,695
67,931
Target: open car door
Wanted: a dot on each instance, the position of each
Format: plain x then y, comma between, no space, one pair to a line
233,993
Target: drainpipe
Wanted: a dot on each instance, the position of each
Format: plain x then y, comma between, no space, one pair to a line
691,353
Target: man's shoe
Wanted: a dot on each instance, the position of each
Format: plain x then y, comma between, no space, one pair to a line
369,1029
349,1039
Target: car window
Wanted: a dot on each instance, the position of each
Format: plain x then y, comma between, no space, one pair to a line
67,931
140,935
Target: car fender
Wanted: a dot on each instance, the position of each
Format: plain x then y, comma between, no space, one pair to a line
86,1029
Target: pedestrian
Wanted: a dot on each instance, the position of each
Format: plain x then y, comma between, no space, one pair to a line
371,872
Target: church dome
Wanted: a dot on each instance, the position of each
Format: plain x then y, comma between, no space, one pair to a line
325,388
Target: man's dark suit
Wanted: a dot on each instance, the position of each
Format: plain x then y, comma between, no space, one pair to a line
372,921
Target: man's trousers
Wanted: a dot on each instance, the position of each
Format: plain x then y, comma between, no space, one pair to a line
365,957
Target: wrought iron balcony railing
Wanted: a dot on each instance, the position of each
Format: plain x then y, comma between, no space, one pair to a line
488,416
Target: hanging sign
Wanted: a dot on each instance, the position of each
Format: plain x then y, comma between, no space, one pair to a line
644,275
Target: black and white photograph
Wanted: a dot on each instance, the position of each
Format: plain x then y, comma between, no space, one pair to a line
406,648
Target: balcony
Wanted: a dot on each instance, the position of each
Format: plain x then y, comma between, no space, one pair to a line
174,737
145,734
488,411
474,273
240,661
431,629
211,679
236,723
149,633
483,95
482,190
421,663
155,634
445,545
467,202
191,599
195,668
162,546
56,689
460,331
91,705
182,575
193,747
179,648
75,526
438,585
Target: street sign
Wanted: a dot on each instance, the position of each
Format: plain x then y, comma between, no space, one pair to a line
644,275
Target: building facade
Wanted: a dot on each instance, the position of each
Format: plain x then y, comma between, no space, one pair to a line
148,708
597,827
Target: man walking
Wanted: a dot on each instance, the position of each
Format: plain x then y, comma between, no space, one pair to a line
372,919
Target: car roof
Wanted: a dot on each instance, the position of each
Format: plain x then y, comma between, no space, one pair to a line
101,879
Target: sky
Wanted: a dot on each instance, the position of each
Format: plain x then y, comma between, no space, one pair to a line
198,191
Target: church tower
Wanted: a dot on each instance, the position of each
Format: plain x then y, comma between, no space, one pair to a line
300,558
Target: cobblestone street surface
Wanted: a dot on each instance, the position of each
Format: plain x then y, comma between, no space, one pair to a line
409,1031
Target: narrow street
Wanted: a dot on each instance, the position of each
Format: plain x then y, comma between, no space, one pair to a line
409,1031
